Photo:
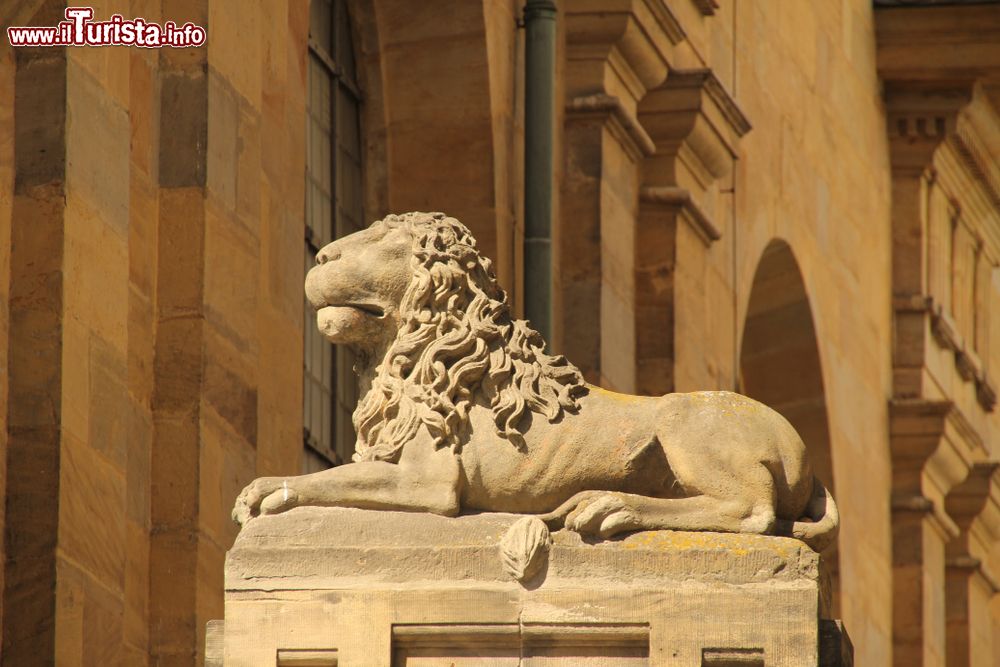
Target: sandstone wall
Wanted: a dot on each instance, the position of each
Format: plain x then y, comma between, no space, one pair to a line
152,258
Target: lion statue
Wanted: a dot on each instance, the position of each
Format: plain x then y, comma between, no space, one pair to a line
463,409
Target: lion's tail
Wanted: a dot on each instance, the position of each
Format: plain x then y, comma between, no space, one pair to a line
824,519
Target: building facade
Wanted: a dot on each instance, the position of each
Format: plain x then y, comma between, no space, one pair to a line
796,200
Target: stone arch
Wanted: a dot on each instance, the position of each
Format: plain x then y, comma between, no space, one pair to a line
430,144
780,362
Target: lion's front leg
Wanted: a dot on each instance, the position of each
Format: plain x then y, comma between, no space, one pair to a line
249,501
424,480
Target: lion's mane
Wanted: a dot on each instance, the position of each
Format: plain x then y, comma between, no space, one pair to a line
456,342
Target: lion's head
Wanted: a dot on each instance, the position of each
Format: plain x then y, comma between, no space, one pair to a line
413,291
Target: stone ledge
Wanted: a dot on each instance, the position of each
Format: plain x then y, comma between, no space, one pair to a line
360,588
335,548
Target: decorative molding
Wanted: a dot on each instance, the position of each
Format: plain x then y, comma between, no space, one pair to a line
916,429
706,7
680,200
912,503
732,657
644,33
968,499
986,393
692,112
920,116
937,43
991,579
967,563
509,635
307,657
706,80
945,333
611,107
665,18
912,303
974,158
964,503
944,329
967,363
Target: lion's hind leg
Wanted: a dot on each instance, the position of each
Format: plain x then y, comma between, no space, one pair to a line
607,513
739,500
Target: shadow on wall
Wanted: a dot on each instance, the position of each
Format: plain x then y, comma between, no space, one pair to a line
780,365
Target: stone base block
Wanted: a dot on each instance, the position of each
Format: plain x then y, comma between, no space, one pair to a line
355,588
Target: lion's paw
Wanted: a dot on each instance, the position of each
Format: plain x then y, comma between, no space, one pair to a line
602,514
266,495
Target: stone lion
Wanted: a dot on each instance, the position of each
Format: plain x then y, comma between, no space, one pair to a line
462,409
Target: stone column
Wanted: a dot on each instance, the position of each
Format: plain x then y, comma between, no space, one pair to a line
915,432
919,119
963,570
34,369
178,365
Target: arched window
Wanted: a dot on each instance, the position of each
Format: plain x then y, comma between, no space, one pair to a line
333,209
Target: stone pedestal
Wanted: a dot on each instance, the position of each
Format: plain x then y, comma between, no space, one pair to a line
355,588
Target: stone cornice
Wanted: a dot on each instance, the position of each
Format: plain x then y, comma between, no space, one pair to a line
643,32
675,106
693,121
938,43
977,142
706,80
609,107
680,200
666,20
920,117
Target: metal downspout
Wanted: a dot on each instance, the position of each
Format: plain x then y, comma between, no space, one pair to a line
539,122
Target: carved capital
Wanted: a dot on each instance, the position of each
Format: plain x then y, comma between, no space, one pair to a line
947,42
692,119
622,123
916,428
634,39
920,117
678,202
966,501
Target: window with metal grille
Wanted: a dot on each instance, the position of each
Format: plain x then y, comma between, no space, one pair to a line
333,209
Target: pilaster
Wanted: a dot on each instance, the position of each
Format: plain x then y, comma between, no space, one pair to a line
695,126
963,568
616,51
916,431
935,63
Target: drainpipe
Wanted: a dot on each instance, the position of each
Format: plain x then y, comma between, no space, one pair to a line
539,122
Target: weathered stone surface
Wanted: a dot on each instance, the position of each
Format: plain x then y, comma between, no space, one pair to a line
443,361
369,586
334,547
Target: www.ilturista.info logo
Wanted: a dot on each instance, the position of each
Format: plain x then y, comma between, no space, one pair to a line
79,30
